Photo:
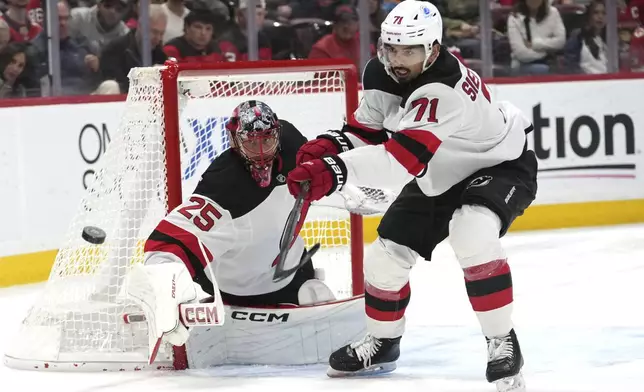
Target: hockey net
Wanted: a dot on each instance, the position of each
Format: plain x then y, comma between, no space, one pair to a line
172,127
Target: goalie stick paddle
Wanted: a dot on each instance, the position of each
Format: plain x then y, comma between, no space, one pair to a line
288,234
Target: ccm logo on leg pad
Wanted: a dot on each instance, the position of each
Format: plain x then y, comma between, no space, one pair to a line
259,317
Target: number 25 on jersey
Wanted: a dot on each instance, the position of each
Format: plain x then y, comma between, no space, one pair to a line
205,218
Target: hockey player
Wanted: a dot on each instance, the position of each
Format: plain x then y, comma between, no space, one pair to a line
230,227
428,120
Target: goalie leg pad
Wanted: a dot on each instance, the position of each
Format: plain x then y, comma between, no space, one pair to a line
278,336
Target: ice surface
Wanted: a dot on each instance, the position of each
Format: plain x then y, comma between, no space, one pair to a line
578,315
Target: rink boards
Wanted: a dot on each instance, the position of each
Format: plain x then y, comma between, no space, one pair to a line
588,139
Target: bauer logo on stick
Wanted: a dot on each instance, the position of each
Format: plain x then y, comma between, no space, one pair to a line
94,235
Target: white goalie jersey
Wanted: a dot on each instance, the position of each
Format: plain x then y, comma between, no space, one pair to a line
232,223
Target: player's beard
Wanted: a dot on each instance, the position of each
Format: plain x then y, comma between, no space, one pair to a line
402,74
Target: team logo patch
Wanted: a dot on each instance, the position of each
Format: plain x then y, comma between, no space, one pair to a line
281,178
479,181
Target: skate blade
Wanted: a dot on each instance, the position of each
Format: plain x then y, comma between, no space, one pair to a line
372,370
511,384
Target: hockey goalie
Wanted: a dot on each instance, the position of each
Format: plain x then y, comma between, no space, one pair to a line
219,249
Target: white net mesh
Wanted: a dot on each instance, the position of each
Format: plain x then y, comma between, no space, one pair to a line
78,319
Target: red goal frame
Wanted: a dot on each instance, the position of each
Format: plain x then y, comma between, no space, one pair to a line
170,77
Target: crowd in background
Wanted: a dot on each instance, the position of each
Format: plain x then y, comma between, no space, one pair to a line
100,40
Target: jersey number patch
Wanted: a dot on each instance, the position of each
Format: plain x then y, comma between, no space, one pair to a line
205,218
472,85
422,104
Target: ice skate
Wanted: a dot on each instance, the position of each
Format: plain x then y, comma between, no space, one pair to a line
368,356
504,363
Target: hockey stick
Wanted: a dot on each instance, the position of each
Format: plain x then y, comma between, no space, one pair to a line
288,234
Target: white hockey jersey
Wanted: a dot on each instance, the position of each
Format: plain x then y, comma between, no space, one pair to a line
441,128
232,223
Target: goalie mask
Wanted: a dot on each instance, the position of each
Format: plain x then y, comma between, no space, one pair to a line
254,132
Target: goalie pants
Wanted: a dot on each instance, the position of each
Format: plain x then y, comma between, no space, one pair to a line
474,213
286,295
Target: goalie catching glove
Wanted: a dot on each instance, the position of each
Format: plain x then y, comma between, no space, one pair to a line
325,176
171,301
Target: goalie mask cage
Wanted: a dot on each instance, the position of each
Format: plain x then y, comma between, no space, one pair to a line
171,128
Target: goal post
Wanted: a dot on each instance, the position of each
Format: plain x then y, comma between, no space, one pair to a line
172,127
347,83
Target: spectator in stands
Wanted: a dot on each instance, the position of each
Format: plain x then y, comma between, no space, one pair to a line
131,17
323,9
124,53
630,13
13,60
343,41
631,35
176,12
35,12
536,33
21,28
100,24
216,6
5,34
376,17
197,43
585,50
280,11
234,41
79,63
389,5
460,18
636,52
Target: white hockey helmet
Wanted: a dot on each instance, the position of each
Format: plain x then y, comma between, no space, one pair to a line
411,23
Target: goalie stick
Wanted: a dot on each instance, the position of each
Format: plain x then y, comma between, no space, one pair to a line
356,200
288,235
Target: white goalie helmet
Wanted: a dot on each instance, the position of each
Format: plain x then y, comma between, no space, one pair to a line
411,23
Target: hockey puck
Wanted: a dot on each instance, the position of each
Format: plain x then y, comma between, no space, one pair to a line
94,235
